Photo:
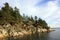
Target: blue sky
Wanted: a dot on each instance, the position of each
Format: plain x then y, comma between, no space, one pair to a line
48,10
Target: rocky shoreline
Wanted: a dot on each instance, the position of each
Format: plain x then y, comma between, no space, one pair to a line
21,34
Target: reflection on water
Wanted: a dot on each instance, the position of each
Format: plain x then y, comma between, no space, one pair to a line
55,35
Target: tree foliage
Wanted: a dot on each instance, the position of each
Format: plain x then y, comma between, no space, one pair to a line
9,14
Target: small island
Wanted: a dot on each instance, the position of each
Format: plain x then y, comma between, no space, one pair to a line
12,23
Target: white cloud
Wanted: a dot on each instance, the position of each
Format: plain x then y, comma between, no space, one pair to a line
48,13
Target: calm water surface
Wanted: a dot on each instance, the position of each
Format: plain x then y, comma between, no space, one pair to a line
55,35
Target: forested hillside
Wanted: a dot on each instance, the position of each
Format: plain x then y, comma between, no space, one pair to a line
12,21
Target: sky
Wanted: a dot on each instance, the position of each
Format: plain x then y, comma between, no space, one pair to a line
48,10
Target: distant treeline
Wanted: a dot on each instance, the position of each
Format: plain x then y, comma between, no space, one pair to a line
12,16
